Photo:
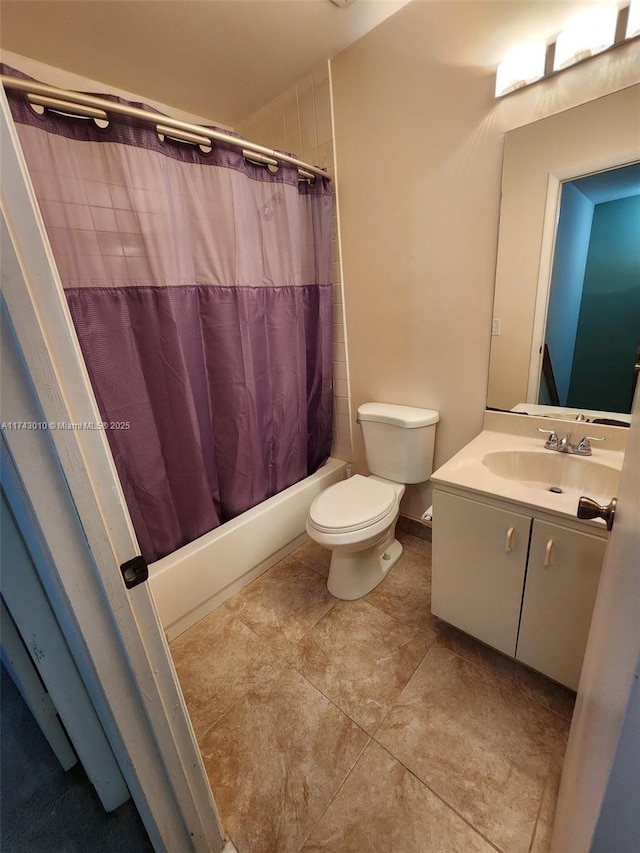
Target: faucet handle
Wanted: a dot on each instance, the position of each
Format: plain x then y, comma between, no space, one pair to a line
584,445
552,441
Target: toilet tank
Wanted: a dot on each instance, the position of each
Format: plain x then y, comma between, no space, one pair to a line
398,441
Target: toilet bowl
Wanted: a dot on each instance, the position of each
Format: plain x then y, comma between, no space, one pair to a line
356,521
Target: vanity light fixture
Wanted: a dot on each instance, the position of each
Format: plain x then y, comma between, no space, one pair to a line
520,67
601,29
633,20
585,36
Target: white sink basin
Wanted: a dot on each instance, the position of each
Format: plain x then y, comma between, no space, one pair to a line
555,472
518,469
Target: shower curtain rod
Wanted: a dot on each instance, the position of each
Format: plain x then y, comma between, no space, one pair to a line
91,106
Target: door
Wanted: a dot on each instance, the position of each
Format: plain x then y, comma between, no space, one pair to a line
560,592
24,675
601,748
78,510
39,629
479,560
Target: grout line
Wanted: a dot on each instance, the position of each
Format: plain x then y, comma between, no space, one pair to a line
234,704
241,698
279,653
330,700
397,699
440,797
547,783
406,624
338,789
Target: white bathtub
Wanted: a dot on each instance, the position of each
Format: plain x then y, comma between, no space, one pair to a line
199,577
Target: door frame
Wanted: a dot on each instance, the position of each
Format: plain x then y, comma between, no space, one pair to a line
77,501
555,181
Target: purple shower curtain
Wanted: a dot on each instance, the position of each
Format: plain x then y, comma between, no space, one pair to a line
199,285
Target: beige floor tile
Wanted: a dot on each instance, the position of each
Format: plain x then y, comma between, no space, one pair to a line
415,544
476,652
405,593
383,808
277,750
475,740
544,826
218,660
360,658
275,760
314,556
548,693
283,604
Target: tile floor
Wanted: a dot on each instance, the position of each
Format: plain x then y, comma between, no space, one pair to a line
370,725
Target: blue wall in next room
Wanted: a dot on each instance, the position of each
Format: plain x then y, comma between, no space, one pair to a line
609,324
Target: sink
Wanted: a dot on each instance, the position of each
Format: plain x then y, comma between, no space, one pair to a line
514,467
555,472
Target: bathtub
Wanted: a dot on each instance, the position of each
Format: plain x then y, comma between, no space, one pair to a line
195,579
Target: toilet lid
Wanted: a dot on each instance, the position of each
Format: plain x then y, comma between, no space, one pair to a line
352,504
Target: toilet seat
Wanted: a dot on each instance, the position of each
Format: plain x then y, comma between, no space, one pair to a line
352,505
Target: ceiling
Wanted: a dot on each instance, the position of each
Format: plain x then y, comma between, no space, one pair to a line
611,185
218,58
224,59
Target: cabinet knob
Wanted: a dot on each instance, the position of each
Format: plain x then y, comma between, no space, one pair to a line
547,553
588,508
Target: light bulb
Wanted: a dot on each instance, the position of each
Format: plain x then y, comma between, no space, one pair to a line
585,36
521,66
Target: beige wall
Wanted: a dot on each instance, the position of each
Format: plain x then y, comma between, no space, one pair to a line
53,76
418,141
299,121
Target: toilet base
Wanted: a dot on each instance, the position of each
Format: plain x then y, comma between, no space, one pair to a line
353,574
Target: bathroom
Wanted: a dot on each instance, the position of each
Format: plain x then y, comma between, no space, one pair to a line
422,240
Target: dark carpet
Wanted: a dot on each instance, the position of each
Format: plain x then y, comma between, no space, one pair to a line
44,809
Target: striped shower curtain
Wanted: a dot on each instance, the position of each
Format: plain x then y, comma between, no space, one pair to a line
199,285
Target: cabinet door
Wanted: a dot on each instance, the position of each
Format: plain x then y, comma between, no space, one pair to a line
479,557
562,583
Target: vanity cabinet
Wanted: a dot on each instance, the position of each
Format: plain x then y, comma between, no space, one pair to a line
559,595
479,563
523,585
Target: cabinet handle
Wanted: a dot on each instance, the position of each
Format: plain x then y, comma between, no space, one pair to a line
547,553
508,545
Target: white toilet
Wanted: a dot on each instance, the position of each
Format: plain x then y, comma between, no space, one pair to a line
356,518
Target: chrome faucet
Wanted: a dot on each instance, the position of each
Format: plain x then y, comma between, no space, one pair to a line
564,445
583,447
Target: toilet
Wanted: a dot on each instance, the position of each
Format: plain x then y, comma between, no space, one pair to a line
356,518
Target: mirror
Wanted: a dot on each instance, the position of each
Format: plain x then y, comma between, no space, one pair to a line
568,260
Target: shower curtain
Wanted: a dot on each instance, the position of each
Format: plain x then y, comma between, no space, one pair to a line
199,285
